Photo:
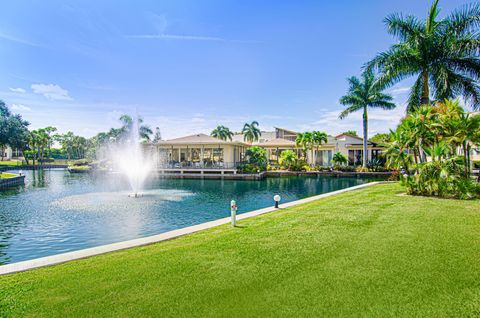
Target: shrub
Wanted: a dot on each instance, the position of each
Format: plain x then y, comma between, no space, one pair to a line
344,168
476,164
361,169
300,165
288,158
339,159
82,162
249,168
445,179
257,156
375,165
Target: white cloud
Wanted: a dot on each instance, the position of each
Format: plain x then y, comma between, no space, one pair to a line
20,107
399,91
18,90
51,91
380,121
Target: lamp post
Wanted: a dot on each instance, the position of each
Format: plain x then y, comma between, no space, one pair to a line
277,199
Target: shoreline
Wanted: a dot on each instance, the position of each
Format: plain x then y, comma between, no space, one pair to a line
102,249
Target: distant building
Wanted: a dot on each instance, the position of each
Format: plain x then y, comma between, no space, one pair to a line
201,151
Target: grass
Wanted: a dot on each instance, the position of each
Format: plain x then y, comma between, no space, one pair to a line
19,164
370,253
80,168
4,175
9,163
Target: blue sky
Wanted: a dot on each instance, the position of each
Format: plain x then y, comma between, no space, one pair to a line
187,66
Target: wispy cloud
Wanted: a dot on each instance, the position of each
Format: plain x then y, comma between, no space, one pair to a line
401,90
160,23
379,121
51,91
20,107
16,39
18,90
176,37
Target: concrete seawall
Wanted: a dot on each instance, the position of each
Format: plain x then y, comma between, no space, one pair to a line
12,182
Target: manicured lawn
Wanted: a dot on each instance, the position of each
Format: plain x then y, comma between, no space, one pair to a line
370,253
10,163
5,175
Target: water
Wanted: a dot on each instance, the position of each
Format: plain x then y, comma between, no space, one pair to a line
57,212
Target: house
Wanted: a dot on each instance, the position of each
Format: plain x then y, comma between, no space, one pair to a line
199,152
205,153
5,153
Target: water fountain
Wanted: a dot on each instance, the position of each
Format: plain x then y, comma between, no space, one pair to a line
132,159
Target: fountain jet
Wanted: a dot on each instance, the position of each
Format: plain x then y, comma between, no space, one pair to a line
132,158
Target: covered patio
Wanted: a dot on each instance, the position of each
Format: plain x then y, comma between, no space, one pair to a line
199,153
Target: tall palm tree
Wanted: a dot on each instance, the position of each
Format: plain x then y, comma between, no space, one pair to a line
144,131
441,54
362,94
222,132
251,132
318,138
305,141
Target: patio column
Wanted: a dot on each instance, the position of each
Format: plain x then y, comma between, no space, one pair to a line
201,155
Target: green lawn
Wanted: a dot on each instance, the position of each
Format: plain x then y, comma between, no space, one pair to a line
9,163
370,253
5,175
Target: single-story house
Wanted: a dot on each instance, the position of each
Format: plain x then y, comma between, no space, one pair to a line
202,151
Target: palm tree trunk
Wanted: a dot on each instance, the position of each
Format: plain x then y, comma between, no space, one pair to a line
425,99
365,137
469,162
465,155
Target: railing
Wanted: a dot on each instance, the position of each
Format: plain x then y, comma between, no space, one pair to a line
198,165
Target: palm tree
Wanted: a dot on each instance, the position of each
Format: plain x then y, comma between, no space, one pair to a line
222,132
251,132
361,95
318,138
305,141
144,131
441,54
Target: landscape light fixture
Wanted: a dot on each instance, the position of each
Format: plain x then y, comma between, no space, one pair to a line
277,199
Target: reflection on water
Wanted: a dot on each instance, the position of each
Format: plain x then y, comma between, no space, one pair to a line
58,212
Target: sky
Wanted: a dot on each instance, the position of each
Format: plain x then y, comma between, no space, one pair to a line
188,66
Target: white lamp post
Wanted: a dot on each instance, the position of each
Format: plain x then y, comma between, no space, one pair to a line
277,199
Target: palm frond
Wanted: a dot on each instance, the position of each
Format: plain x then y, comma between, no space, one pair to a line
463,20
403,27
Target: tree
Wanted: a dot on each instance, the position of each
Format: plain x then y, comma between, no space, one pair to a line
13,130
287,158
157,137
144,131
222,132
441,54
351,133
361,95
381,138
251,132
257,156
318,138
339,159
305,141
